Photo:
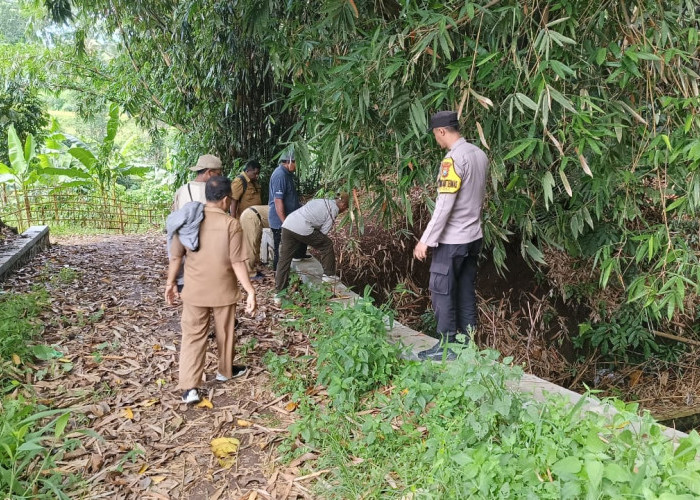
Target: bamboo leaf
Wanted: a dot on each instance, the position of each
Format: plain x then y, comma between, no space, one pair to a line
565,182
526,101
547,187
584,163
481,136
519,148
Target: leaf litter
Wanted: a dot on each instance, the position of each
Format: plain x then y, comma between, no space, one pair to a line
116,369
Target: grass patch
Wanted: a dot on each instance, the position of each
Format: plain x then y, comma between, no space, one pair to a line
33,437
19,321
392,428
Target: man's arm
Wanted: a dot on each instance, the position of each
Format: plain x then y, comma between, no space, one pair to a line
171,292
242,274
279,208
236,195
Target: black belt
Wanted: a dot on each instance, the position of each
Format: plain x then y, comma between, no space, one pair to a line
257,213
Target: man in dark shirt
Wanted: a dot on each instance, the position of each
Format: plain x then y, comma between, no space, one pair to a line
284,199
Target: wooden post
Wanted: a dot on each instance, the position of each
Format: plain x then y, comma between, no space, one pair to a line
20,222
121,216
26,207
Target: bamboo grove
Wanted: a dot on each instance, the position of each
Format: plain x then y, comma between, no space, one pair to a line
589,112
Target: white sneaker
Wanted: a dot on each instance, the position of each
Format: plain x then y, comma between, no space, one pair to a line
330,279
238,371
191,396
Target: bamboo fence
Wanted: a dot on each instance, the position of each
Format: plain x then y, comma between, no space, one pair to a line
108,212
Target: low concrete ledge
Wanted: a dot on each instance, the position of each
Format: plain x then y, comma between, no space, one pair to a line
20,251
310,272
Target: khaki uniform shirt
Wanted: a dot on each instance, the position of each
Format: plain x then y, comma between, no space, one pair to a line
192,191
461,189
209,277
251,196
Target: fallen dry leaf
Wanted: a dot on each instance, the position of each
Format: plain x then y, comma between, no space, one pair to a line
16,359
291,406
205,403
243,423
225,449
128,413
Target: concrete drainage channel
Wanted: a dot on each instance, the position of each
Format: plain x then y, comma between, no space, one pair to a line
21,250
310,272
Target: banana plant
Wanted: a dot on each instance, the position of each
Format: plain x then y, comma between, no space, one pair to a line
21,171
105,163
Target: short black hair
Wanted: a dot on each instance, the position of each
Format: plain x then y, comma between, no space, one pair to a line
452,129
217,188
251,165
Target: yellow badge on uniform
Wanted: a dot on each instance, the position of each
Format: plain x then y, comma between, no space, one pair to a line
448,180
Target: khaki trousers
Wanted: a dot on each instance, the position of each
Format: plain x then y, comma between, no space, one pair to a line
193,350
253,220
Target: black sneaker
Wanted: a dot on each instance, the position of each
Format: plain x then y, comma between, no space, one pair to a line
237,371
436,353
191,396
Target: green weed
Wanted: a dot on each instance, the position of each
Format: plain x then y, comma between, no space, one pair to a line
32,441
392,428
19,321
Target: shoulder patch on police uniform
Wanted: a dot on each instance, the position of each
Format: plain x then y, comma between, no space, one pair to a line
448,181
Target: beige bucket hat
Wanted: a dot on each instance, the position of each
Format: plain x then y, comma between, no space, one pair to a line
207,162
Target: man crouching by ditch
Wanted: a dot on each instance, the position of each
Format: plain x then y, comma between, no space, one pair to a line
212,241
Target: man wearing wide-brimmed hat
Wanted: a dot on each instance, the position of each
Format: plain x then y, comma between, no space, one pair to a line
207,166
454,233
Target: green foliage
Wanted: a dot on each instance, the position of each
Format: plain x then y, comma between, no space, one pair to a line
626,336
353,354
589,111
19,322
32,442
457,430
22,109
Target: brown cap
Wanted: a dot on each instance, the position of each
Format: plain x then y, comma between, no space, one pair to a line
444,119
207,162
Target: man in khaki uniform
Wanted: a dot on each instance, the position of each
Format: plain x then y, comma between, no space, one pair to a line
211,274
253,220
245,189
207,166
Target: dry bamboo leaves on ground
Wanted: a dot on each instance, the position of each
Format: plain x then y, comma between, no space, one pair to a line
117,370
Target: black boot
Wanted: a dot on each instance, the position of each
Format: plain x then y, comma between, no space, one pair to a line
440,350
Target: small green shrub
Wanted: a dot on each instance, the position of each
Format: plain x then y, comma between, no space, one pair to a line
626,336
19,321
32,441
393,428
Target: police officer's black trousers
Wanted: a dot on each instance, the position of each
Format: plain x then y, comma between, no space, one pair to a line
453,288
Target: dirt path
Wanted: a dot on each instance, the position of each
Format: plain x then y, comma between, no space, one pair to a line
118,370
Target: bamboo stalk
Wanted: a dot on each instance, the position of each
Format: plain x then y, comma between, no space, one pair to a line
676,337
